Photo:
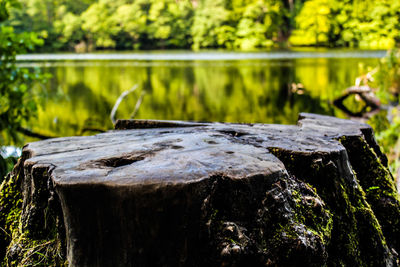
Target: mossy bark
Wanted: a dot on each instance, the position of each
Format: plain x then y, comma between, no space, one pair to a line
32,233
378,185
355,226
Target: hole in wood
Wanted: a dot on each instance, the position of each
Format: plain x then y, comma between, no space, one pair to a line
118,162
233,133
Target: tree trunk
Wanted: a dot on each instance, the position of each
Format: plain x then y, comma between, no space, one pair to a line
162,193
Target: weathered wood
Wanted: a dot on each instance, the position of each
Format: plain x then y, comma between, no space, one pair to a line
147,124
366,94
211,194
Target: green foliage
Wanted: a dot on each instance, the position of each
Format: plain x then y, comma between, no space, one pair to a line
211,25
365,24
314,23
168,21
387,81
70,26
6,164
133,20
239,24
388,77
17,101
97,21
260,24
389,139
144,24
137,24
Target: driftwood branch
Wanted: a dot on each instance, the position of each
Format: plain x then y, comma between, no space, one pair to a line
358,89
137,106
364,93
118,102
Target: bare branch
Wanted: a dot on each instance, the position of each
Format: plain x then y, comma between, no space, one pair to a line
30,133
137,106
118,102
358,89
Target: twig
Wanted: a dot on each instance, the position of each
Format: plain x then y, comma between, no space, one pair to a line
30,133
138,103
32,249
35,250
2,229
118,102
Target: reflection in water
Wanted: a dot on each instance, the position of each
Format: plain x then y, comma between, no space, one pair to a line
230,91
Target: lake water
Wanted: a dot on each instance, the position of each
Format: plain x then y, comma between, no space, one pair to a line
179,85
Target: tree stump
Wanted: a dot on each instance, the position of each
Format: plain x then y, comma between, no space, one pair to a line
169,193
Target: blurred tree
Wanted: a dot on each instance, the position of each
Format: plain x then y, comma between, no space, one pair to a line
70,30
365,24
213,25
260,24
314,24
169,23
133,20
99,24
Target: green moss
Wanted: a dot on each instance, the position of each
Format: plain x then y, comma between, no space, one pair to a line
29,252
10,211
379,187
311,212
18,245
356,234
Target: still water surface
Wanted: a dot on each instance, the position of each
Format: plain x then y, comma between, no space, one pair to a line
206,86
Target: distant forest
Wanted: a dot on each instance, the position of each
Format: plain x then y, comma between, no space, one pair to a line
87,25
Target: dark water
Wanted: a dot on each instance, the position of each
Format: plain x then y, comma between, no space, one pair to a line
213,86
